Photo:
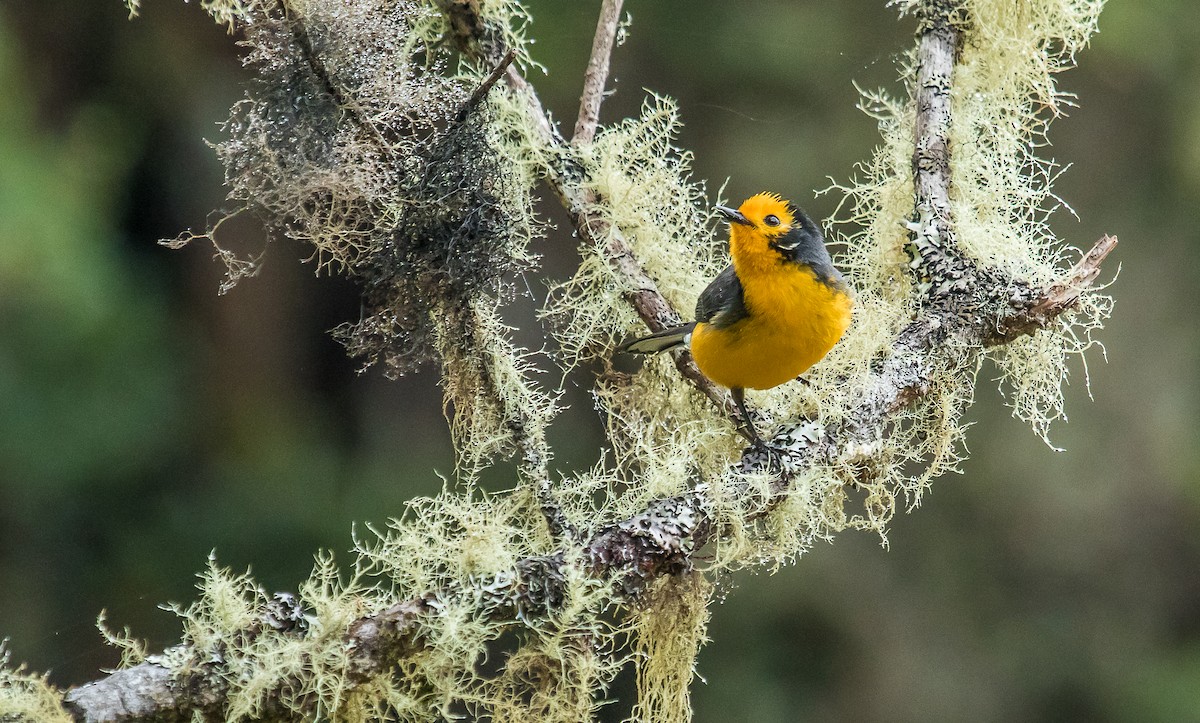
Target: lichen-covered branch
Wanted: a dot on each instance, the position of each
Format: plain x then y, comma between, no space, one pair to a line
146,692
956,305
936,51
660,541
583,206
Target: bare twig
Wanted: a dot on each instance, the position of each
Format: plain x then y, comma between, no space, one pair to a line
482,91
1062,294
1052,301
597,72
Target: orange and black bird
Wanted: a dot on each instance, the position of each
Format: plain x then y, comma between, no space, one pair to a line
769,316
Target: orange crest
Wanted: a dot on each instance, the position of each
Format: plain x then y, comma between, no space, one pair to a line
759,206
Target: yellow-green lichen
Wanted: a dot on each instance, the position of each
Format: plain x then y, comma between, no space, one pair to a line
668,630
27,698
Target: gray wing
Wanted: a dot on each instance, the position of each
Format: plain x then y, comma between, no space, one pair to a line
723,303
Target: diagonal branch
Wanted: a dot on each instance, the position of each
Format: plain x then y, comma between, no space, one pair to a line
487,84
585,210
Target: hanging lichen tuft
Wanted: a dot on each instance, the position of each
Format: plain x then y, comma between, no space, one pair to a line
362,136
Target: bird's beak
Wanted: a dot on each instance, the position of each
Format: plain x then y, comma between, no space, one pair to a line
732,215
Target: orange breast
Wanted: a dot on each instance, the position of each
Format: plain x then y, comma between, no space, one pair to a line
794,320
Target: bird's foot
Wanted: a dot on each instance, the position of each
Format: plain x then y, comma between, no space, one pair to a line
761,455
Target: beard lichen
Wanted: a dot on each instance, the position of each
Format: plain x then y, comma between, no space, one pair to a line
658,425
1004,97
360,137
560,653
650,198
27,697
668,628
274,653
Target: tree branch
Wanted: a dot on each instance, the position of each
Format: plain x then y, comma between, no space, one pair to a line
597,72
936,53
585,210
661,540
583,206
657,542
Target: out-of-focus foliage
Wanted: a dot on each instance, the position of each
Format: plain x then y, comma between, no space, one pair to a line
84,363
1036,586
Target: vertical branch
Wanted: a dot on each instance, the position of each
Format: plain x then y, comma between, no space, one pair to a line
931,154
938,263
597,72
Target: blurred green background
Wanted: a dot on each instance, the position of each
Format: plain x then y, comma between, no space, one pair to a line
145,420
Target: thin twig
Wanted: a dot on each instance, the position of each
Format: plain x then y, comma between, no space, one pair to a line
596,74
482,91
299,31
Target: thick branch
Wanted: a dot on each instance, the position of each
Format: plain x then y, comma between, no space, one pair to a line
144,692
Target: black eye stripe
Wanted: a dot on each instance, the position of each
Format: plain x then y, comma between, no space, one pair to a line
771,220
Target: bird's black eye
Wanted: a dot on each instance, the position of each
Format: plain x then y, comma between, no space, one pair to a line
771,220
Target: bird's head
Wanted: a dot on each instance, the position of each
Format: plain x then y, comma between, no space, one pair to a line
767,228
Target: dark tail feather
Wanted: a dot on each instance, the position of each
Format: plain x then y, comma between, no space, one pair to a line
661,341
